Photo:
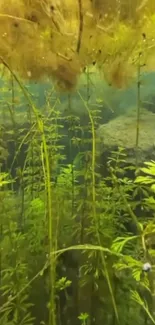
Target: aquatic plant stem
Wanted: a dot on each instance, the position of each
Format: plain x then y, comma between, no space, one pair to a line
94,206
138,109
50,229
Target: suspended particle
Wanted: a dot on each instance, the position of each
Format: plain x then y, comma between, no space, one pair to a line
146,267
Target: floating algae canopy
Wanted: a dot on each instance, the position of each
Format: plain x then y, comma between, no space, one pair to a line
77,162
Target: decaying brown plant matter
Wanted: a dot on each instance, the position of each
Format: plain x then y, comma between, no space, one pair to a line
58,38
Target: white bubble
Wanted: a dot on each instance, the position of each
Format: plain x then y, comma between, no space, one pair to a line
146,267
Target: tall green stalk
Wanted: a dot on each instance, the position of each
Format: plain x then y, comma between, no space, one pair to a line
94,205
138,109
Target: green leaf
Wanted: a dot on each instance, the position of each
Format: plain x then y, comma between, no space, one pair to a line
153,187
150,171
120,242
136,297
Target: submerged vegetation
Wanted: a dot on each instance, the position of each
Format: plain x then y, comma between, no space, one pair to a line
76,234
73,242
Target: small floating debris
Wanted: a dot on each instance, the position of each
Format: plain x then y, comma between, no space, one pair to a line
146,267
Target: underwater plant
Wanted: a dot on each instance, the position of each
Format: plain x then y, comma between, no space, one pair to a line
76,238
61,38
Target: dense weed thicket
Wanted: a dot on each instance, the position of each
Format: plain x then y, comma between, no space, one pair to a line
74,244
76,247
